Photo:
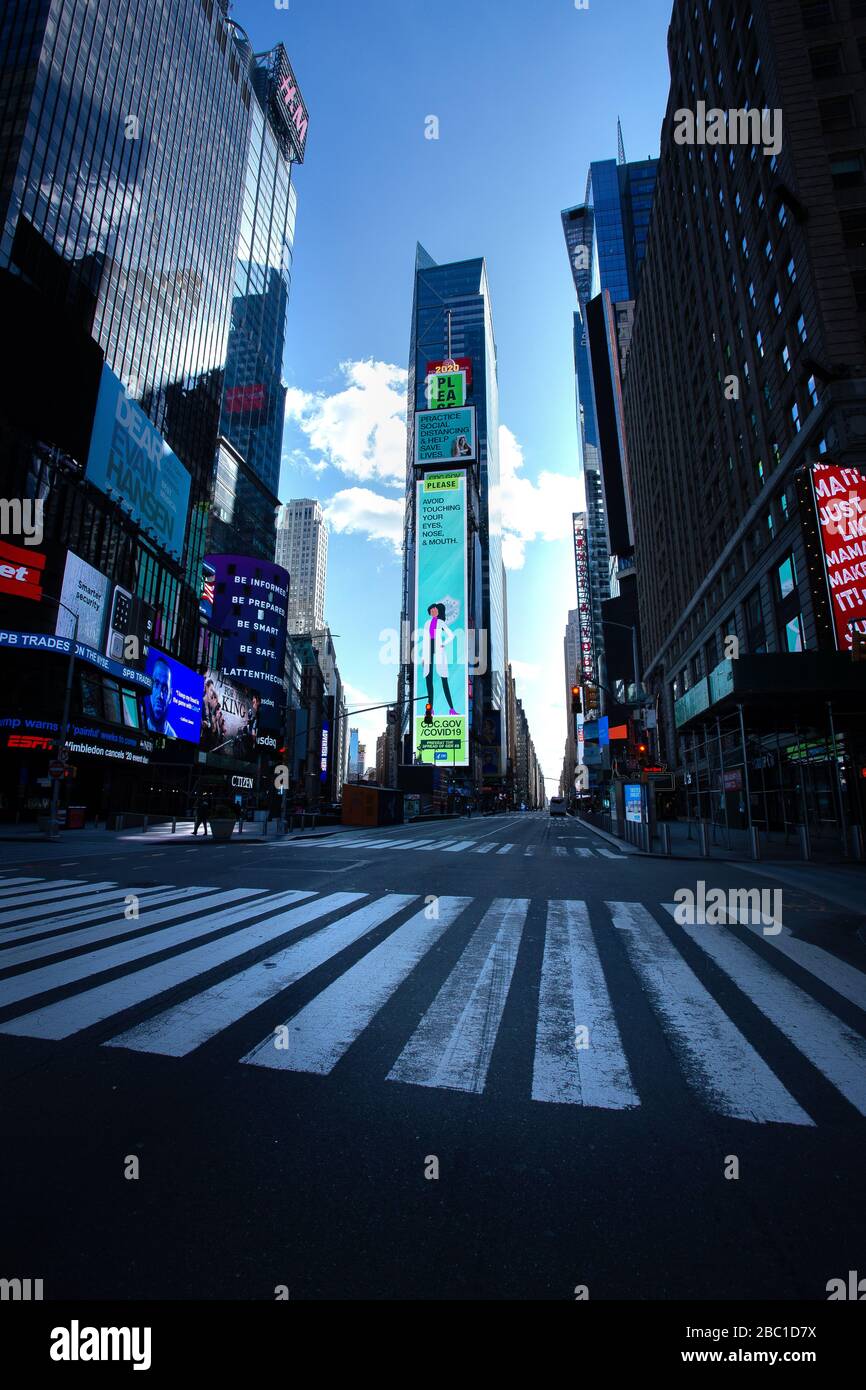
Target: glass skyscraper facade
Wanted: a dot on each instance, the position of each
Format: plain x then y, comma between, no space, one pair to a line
606,241
460,291
133,140
253,403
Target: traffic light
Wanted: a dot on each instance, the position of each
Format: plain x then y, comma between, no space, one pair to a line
575,699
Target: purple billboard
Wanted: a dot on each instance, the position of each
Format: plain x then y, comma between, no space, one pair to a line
249,609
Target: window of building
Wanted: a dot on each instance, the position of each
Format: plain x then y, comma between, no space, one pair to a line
786,577
759,343
756,636
785,358
768,251
794,634
846,170
752,300
836,113
801,328
826,61
777,304
795,417
812,388
791,270
816,13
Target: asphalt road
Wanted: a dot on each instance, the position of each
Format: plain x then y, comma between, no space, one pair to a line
474,1060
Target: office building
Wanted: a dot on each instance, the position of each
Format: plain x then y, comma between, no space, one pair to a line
746,378
302,549
452,321
122,180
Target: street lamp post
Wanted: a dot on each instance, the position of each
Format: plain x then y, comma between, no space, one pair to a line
64,726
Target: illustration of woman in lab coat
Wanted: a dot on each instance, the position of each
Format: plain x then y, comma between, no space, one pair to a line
437,637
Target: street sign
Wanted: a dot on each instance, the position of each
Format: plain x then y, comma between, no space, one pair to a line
56,769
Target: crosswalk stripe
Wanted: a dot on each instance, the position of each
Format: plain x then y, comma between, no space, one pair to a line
583,853
179,1030
7,884
94,962
609,853
460,845
559,850
826,1042
845,979
325,1029
44,890
573,993
715,1057
485,849
68,1016
453,1043
113,903
71,899
503,849
15,954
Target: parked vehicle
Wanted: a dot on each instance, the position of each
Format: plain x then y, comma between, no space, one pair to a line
557,806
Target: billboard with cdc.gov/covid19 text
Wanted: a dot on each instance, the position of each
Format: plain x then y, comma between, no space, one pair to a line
441,716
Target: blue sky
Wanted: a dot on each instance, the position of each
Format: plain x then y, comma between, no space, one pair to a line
527,93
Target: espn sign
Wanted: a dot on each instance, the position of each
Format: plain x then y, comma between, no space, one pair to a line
31,741
20,572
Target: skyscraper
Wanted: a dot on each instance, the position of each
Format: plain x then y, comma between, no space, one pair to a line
253,404
451,318
606,241
746,370
121,179
302,549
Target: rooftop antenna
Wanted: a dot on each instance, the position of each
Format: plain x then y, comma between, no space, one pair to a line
620,147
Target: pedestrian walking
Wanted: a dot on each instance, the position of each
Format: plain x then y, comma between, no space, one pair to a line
200,813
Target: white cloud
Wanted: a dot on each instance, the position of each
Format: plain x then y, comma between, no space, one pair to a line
525,670
360,430
361,509
531,511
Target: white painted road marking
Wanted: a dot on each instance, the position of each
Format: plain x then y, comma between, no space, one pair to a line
325,1029
181,1029
453,1043
715,1057
573,993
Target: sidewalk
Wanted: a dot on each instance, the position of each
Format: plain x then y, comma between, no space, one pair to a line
774,849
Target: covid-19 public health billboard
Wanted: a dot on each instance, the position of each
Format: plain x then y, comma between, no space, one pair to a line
441,725
445,436
248,600
130,460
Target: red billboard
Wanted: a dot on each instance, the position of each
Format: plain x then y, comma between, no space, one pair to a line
241,398
20,571
840,501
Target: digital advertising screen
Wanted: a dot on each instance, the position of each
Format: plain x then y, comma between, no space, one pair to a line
83,595
249,604
445,436
172,705
441,724
230,716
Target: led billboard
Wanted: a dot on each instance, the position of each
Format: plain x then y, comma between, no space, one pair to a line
229,717
172,705
130,460
445,436
20,571
441,676
840,501
445,390
83,595
249,603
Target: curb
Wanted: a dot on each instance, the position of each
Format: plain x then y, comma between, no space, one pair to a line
614,840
